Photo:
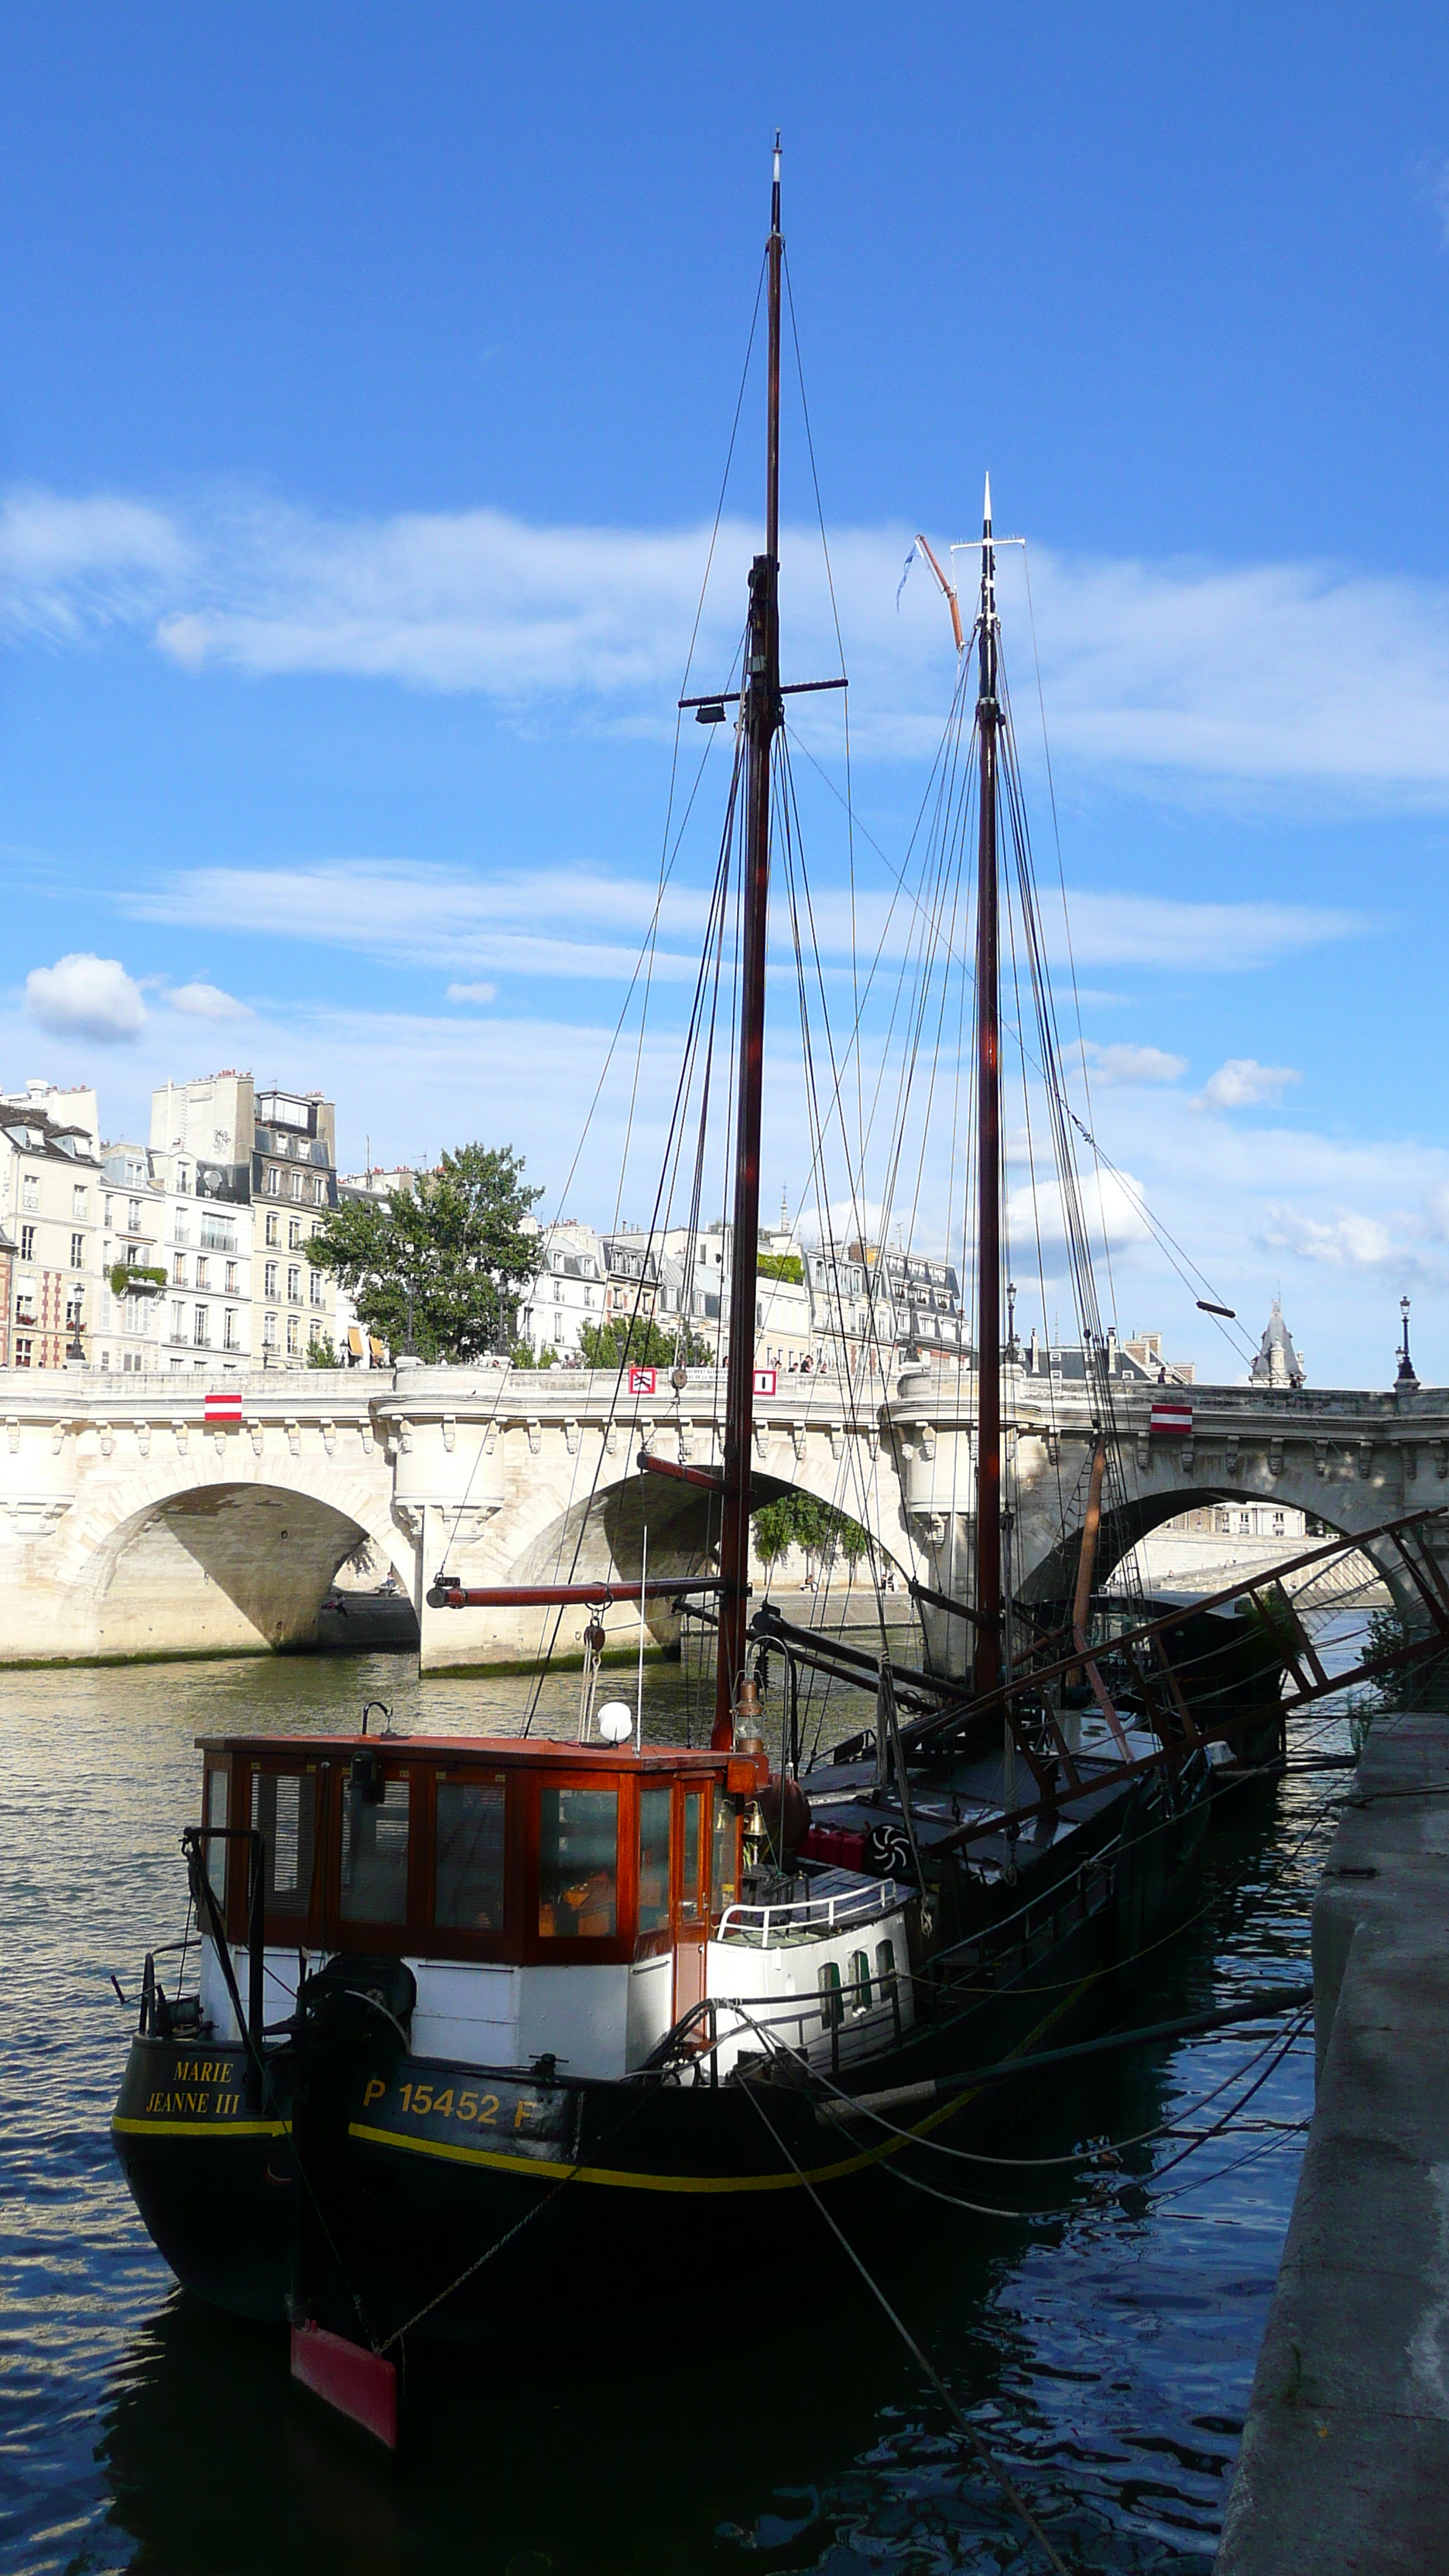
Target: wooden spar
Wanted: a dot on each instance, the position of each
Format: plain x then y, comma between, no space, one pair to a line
446,1595
949,588
761,719
988,1667
1087,1559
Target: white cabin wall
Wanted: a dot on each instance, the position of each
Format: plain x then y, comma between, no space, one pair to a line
651,2006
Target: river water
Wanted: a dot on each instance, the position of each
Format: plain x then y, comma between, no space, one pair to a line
1100,2338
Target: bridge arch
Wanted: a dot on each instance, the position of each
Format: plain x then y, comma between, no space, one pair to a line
215,1560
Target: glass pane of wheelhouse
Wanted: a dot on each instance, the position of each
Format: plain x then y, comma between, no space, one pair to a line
578,1863
468,1869
656,1808
375,1851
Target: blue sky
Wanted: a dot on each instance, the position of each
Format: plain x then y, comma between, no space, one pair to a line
365,384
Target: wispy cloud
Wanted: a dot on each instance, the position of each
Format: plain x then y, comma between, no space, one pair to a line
203,1001
429,916
1296,678
1241,1083
1132,1064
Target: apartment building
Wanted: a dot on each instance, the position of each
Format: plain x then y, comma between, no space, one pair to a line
245,1178
50,1189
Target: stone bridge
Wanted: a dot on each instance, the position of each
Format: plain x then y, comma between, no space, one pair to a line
129,1526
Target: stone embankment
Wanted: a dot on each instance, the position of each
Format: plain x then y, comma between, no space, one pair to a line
1345,2457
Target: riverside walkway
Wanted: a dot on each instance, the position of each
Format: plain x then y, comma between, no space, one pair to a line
1345,2457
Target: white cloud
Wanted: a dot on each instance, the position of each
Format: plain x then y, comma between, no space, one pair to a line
1297,676
68,567
472,992
1240,1082
203,1001
498,922
1348,1241
1132,1064
85,996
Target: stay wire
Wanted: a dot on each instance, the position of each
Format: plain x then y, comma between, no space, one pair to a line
987,2457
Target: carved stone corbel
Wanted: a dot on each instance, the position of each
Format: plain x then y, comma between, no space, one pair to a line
12,1425
1275,1457
611,1437
1365,1457
255,1428
329,1437
797,1441
450,1432
837,1439
294,1438
571,1434
178,1429
762,1438
405,1437
143,1437
535,1435
686,1440
58,1431
106,1437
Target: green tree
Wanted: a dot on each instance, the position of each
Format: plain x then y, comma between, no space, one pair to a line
452,1248
320,1351
781,1265
640,1341
802,1520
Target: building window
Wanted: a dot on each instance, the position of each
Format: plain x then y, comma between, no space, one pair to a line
22,1353
183,1176
319,1192
27,1243
1277,1525
178,1269
269,1279
294,1283
294,1336
133,1216
178,1320
231,1274
269,1332
319,1289
78,1201
30,1190
274,1182
200,1328
297,1184
228,1329
294,1233
273,1226
182,1229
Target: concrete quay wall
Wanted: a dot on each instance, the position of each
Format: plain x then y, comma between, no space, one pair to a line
1345,2457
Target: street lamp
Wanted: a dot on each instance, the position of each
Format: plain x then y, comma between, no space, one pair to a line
1406,1382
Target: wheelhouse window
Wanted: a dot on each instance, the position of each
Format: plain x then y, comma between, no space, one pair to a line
656,1807
375,1849
724,1871
578,1864
214,1814
470,1852
693,1853
284,1814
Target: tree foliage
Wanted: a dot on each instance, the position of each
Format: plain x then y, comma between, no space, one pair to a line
452,1248
781,1265
802,1520
641,1342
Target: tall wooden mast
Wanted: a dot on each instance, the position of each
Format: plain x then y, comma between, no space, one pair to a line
988,1178
761,719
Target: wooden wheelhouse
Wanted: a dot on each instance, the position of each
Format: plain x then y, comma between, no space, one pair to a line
548,1897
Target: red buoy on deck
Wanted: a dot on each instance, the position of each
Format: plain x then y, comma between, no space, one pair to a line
359,2384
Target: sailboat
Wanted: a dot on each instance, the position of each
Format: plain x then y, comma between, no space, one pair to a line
488,2028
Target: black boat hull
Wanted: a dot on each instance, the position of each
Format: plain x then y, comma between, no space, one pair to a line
456,2201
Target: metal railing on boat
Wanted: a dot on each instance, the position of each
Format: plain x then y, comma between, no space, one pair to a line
802,1918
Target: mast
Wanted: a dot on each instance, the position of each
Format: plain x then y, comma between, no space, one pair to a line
988,1146
761,719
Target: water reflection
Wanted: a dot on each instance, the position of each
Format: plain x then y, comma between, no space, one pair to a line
1105,2357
